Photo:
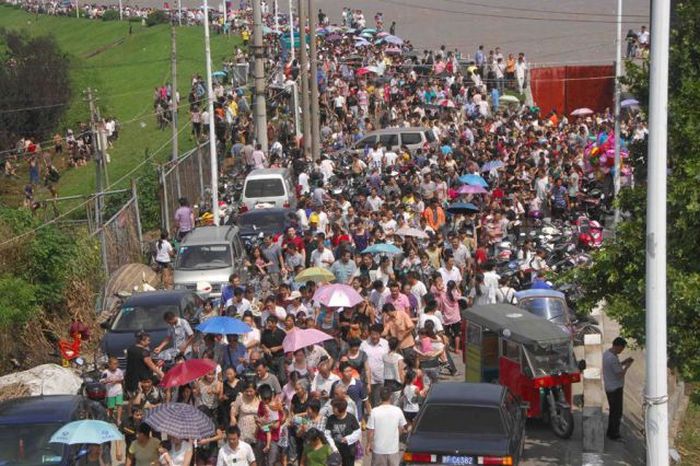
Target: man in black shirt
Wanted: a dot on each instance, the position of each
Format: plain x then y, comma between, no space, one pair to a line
271,343
139,364
345,431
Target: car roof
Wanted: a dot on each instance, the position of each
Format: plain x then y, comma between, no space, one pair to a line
396,130
524,327
156,297
476,394
39,409
539,293
260,172
210,235
275,210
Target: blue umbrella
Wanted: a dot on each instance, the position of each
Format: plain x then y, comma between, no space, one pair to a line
218,74
462,208
382,248
180,420
474,180
393,40
492,165
224,326
87,431
369,31
629,103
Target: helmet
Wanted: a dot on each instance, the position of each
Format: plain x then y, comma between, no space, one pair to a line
505,245
595,224
95,391
505,254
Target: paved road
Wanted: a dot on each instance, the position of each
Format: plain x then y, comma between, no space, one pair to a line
584,32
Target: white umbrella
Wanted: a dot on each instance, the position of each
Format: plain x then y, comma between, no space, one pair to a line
582,112
412,232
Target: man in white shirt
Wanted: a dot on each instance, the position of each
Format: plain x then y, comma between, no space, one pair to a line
386,422
614,372
322,257
236,451
450,272
375,347
324,379
491,281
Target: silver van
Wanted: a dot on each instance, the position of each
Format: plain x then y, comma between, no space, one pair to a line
268,188
209,254
392,138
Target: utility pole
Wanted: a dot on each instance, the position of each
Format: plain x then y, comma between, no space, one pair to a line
179,12
277,19
315,112
212,129
77,9
98,155
121,15
260,104
304,76
295,88
618,89
655,387
173,90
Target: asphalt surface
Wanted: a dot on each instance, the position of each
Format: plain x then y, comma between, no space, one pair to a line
549,32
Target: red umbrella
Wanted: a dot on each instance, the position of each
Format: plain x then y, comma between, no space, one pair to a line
186,372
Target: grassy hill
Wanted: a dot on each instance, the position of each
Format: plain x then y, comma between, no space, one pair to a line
124,62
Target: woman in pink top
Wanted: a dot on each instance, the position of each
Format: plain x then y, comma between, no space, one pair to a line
448,304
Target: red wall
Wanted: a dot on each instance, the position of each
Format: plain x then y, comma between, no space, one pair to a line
566,88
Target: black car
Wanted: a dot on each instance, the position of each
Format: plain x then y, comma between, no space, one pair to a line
144,311
27,424
467,423
266,221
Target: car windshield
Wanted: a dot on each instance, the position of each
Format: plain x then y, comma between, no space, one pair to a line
28,444
132,318
210,256
550,359
262,219
449,419
552,309
264,187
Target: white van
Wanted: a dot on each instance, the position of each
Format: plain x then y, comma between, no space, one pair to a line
267,188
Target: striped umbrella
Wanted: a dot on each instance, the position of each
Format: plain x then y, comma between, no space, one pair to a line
180,420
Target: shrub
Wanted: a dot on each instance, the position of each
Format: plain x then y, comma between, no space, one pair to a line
157,17
18,303
110,15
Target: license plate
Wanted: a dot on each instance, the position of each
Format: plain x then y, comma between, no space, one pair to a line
458,460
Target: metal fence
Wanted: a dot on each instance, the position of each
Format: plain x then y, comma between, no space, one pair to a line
187,177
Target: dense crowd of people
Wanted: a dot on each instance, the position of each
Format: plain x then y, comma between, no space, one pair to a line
352,396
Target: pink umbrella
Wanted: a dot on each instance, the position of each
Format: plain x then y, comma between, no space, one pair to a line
393,50
469,189
337,295
301,338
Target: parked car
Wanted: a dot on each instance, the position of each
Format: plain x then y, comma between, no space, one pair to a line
267,188
393,138
266,221
27,424
467,423
144,311
548,304
209,254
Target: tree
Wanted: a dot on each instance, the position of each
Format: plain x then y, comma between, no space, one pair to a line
35,86
618,272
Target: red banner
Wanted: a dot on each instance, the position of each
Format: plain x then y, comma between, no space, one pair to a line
566,88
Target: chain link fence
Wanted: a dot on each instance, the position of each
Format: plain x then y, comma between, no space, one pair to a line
187,177
122,237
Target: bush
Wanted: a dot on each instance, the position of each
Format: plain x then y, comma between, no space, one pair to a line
18,303
157,17
110,15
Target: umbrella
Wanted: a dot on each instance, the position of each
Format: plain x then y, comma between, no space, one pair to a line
367,34
447,103
219,74
359,44
412,232
334,37
303,337
180,420
367,69
469,189
382,248
222,325
337,295
462,208
509,98
629,103
382,34
369,31
186,372
314,274
582,112
393,50
492,165
87,431
474,180
393,40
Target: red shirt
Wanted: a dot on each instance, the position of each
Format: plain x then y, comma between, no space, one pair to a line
296,241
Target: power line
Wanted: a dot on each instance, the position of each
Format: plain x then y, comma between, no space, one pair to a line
531,10
493,15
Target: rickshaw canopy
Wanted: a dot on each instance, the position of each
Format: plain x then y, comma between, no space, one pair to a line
539,293
523,327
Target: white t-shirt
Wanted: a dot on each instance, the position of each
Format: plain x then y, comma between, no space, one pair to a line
241,456
451,275
426,317
163,252
386,420
318,258
375,355
178,456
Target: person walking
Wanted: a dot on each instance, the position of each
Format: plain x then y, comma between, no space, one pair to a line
614,372
386,423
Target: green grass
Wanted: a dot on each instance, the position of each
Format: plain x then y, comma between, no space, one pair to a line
124,69
688,440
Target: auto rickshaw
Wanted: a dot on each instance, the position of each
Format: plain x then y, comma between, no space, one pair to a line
526,353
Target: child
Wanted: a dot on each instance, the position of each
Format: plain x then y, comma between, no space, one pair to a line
413,393
164,458
113,377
